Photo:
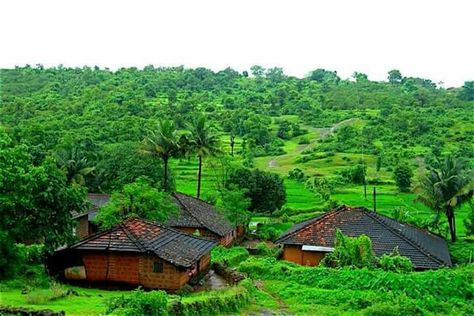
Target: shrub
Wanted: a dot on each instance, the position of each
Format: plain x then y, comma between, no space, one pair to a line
297,174
350,251
395,262
402,176
265,250
229,256
355,174
433,287
304,140
141,303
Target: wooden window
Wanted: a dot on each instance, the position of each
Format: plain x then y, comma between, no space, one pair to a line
158,267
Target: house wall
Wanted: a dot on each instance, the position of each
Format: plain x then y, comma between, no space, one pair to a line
82,227
137,269
293,253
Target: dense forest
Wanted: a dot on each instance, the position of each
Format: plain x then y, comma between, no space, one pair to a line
98,117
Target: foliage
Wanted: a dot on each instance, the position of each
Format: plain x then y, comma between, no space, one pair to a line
297,174
469,221
138,199
402,175
264,189
202,141
446,186
395,262
36,201
221,302
323,187
234,204
163,143
139,303
438,285
350,251
229,256
355,174
269,251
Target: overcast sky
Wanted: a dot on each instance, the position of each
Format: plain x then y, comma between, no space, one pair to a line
425,38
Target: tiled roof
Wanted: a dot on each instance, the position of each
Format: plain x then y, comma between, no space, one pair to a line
96,201
197,213
425,249
142,236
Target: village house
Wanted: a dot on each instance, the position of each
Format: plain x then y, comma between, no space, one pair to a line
85,227
136,252
306,243
194,216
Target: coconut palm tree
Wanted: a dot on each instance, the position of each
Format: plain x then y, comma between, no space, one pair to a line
203,142
163,143
74,165
445,188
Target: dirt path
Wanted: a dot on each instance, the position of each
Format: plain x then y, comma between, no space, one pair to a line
323,133
282,307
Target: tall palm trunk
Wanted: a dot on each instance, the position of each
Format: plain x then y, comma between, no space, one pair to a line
199,177
452,223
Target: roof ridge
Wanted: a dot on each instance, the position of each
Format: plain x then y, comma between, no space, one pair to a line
315,220
427,253
132,236
189,211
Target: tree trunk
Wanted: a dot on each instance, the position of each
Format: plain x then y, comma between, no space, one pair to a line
452,223
165,174
199,177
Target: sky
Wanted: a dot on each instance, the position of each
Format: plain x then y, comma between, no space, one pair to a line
430,39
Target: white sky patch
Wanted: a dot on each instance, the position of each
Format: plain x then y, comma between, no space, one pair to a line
425,38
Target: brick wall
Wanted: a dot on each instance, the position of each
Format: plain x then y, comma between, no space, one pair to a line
171,278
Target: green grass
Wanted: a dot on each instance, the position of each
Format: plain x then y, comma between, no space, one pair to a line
88,302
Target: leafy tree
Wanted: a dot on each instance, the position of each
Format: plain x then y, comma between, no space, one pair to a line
257,71
138,199
204,142
164,143
234,204
445,187
122,163
264,189
402,175
36,201
394,76
323,75
467,92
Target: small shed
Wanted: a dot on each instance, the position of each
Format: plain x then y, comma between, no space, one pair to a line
306,243
138,253
84,226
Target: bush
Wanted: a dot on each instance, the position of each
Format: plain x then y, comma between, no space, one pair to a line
355,174
265,250
433,287
229,256
350,251
395,262
297,174
139,303
215,302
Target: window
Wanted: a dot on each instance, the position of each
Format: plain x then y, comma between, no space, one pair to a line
157,267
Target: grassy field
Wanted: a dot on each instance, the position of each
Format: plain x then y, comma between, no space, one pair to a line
87,302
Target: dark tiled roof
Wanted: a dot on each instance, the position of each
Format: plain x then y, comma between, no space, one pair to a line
197,213
96,201
142,236
425,250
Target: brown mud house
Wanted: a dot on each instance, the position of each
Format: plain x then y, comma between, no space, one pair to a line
308,242
194,216
84,226
136,253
